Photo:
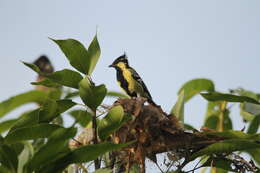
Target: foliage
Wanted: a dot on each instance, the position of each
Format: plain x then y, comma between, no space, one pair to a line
38,141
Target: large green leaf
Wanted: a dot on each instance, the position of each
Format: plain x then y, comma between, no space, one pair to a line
82,117
66,77
8,158
32,132
243,92
57,142
76,53
234,134
195,86
26,119
227,146
6,125
215,96
52,109
94,54
81,155
21,99
91,95
178,108
111,122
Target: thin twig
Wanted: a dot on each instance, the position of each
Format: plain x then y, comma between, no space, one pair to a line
194,169
168,169
95,140
159,167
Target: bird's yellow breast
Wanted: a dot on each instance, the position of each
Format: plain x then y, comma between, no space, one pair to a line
128,77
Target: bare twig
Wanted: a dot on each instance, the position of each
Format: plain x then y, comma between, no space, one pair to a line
95,140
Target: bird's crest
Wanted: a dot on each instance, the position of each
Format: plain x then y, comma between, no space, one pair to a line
122,58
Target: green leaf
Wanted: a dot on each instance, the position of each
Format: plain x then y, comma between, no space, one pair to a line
103,171
27,119
66,77
243,92
3,169
227,123
212,109
91,95
178,108
54,93
249,110
33,67
111,122
32,132
215,96
71,95
6,125
116,94
195,86
94,54
57,142
82,155
82,117
8,158
232,134
76,53
212,122
255,153
227,146
246,115
254,125
219,163
53,109
46,83
12,103
48,110
25,156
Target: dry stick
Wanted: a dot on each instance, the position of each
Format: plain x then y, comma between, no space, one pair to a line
159,167
95,140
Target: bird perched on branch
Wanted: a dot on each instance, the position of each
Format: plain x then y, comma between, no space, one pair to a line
129,80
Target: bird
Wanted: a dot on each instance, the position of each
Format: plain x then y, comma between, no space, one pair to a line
46,67
129,80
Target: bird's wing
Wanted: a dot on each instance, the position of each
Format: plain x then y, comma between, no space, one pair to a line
141,82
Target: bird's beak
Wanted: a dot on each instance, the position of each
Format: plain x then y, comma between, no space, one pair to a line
112,65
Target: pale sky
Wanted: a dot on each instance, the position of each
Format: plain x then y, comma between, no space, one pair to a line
168,42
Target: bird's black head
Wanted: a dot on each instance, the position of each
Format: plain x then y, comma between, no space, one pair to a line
120,61
44,64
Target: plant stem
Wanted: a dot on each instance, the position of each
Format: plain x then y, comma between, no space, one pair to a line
95,139
223,106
